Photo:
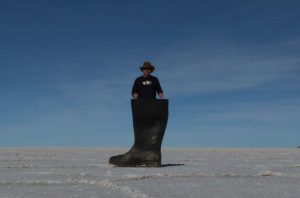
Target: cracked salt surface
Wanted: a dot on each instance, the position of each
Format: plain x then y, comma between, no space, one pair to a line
198,172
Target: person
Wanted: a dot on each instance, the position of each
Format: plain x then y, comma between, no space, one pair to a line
147,86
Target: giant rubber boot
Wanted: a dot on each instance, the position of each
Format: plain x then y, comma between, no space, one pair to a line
150,118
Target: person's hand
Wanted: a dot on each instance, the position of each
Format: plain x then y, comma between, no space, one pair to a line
161,95
135,95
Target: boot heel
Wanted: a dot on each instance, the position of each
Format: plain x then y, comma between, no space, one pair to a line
153,164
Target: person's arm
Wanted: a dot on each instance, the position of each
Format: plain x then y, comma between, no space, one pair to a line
159,90
135,89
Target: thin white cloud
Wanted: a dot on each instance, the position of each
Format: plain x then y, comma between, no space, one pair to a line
269,114
196,68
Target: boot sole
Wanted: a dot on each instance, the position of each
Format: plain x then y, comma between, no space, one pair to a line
140,164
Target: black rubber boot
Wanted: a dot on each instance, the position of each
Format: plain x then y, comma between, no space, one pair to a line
150,118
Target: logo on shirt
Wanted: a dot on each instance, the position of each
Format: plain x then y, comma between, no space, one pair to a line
147,82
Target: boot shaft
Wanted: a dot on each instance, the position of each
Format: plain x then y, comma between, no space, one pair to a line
150,118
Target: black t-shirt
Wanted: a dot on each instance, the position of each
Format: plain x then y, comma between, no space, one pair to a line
146,87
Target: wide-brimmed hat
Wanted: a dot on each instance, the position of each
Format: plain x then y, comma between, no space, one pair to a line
147,65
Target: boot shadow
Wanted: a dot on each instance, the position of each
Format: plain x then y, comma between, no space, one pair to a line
169,165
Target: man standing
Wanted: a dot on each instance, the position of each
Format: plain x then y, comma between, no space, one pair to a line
147,86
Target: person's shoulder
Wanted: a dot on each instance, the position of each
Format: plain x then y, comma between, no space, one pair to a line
139,78
154,77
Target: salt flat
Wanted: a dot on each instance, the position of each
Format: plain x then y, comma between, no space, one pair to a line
186,172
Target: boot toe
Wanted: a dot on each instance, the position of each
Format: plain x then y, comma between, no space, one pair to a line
114,159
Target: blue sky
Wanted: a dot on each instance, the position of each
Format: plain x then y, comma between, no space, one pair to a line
229,68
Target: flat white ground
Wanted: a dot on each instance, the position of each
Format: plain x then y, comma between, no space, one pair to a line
197,172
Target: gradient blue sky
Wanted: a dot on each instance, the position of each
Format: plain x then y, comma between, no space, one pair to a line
229,68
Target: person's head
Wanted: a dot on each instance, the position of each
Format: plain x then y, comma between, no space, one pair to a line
147,68
146,72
